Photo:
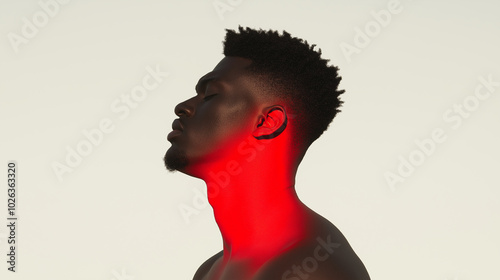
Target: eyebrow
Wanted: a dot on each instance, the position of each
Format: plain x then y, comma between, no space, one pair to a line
202,83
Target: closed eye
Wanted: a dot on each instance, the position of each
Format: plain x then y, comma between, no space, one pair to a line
208,97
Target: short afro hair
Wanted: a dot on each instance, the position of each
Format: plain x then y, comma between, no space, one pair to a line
294,71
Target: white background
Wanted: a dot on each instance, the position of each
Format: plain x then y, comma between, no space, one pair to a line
116,215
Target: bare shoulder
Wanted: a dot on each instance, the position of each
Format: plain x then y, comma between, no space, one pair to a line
206,266
325,255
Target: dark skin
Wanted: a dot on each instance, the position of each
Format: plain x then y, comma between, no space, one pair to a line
240,141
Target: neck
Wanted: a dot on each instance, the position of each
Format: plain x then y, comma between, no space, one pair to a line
256,207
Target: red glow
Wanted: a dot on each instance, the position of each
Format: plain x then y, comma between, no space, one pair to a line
252,191
250,182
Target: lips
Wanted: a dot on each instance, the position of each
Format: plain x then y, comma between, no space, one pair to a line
176,130
176,125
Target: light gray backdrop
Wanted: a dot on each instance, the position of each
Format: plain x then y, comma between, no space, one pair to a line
408,171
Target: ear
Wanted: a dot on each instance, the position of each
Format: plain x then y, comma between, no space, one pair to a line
272,124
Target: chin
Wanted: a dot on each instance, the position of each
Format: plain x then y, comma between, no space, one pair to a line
175,159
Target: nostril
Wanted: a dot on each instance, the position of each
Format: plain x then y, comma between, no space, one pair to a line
179,110
184,109
182,112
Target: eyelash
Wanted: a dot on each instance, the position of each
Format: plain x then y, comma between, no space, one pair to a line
208,97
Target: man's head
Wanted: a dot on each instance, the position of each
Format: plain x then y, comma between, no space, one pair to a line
268,84
293,70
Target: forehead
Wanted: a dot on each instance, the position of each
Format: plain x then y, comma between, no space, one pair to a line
228,69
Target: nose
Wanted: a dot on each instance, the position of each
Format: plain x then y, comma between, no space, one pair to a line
185,108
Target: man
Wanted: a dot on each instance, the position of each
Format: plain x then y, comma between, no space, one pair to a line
245,134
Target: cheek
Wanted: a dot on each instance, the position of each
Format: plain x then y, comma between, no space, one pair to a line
221,128
236,120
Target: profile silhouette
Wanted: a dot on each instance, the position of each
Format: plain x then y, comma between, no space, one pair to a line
245,133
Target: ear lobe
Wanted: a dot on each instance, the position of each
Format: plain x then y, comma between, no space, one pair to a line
272,124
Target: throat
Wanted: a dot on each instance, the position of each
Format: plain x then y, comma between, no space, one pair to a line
257,226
